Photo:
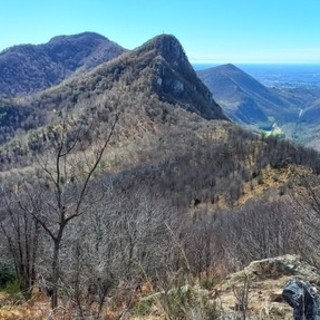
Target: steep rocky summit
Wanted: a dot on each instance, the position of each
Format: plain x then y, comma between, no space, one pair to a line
175,79
161,67
158,69
152,87
28,68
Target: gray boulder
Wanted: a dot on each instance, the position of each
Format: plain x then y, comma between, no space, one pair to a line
303,298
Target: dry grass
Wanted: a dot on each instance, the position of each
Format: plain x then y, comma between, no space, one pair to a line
30,310
270,178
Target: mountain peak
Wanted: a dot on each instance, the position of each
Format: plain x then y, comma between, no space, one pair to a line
174,79
160,66
167,46
243,97
83,35
26,69
230,66
167,43
163,42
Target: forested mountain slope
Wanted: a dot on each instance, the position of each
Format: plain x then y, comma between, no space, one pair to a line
245,99
126,190
25,69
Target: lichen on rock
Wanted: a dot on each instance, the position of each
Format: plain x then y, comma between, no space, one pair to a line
303,298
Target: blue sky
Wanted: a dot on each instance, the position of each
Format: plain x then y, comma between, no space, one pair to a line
236,31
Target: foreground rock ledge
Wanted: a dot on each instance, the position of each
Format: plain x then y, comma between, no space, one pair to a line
265,280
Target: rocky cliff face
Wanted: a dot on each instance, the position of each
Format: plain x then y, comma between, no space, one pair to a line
175,80
159,67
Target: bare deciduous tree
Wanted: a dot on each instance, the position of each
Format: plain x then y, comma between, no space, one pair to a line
53,210
22,233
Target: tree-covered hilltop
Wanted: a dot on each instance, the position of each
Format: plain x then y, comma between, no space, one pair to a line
25,69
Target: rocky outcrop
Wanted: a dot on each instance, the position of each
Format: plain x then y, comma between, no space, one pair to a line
263,282
173,77
303,298
158,68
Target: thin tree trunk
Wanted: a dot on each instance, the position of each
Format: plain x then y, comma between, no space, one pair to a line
55,274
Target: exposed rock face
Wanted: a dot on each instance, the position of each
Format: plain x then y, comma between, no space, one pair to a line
171,50
159,67
173,77
303,298
266,279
